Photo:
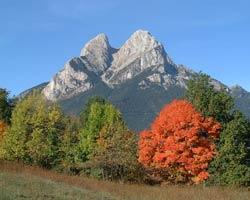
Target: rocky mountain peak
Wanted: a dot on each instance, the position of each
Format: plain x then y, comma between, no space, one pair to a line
100,41
98,53
139,53
139,42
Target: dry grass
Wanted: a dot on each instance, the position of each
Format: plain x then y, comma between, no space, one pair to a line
132,192
22,186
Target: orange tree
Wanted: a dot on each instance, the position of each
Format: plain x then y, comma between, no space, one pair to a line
179,145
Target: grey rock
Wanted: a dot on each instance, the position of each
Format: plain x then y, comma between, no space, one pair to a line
99,61
98,53
140,52
68,82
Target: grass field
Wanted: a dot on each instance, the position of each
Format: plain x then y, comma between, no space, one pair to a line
22,186
18,182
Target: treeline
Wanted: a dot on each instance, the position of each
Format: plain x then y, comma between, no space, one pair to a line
97,144
198,139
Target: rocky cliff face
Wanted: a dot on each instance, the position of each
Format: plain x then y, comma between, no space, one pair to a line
141,52
98,53
68,82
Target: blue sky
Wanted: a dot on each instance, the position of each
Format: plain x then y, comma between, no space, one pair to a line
38,37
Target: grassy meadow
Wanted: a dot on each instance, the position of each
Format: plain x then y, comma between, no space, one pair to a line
18,181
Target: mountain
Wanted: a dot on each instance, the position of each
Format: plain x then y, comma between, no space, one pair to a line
139,78
99,62
39,87
242,99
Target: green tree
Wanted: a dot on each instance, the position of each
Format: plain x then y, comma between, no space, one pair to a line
85,113
210,102
98,114
229,166
69,144
35,132
5,106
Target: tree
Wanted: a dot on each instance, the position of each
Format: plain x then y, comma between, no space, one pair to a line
210,102
68,145
229,166
3,128
115,155
85,113
35,131
48,127
5,106
99,114
180,144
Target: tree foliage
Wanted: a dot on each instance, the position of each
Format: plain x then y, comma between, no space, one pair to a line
35,131
180,144
115,155
210,102
98,114
107,149
5,106
229,166
69,145
86,112
3,129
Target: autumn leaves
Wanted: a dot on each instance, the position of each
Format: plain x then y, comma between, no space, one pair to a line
180,139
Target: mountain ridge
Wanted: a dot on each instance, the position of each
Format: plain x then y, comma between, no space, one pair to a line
138,78
115,66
